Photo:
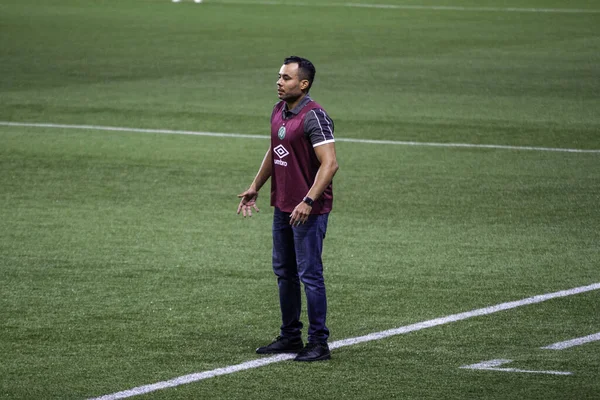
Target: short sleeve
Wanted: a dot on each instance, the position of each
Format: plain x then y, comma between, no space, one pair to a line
318,127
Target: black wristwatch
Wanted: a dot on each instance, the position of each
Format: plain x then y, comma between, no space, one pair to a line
308,201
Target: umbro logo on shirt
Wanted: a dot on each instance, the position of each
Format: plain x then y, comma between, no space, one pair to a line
281,152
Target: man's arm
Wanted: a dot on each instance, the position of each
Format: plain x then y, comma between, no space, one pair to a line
329,166
248,198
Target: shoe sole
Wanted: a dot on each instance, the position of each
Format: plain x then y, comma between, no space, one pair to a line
322,358
279,351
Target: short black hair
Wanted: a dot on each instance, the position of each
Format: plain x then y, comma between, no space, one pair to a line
306,69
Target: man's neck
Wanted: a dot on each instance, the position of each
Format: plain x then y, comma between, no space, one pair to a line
292,104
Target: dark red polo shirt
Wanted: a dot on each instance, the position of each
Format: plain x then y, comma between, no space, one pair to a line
294,135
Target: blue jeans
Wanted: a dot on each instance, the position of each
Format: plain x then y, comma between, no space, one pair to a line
297,258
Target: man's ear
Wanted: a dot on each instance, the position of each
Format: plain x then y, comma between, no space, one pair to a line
304,84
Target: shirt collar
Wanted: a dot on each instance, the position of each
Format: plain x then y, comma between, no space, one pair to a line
299,107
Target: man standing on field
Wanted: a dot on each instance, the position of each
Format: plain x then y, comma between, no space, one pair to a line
301,163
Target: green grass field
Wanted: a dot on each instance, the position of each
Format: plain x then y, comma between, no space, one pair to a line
123,263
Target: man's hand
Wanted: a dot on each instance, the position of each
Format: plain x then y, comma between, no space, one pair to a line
300,214
248,202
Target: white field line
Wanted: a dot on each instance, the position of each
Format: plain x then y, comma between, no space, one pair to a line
348,342
573,342
493,365
417,7
265,137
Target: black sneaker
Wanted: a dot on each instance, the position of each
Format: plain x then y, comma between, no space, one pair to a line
282,345
314,352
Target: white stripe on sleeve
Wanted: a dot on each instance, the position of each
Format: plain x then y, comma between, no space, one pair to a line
323,142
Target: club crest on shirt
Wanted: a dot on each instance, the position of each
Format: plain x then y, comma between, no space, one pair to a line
281,133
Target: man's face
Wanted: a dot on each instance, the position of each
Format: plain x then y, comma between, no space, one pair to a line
289,85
